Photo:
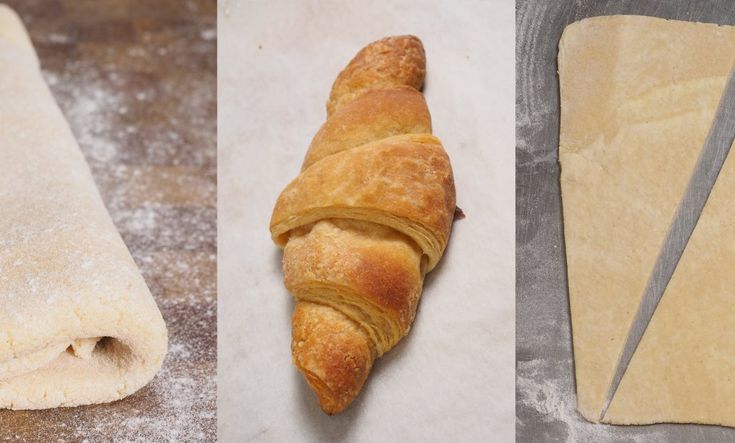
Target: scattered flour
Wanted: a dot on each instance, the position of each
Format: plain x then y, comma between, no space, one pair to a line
555,403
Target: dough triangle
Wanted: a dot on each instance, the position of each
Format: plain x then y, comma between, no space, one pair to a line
638,95
684,368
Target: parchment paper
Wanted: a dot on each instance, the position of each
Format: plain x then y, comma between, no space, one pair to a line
452,378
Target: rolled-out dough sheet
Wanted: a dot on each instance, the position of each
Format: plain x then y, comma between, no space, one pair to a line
638,95
78,324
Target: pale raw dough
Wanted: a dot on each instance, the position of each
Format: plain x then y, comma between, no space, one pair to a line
78,324
638,96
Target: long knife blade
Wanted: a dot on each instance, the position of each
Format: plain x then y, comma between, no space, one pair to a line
713,154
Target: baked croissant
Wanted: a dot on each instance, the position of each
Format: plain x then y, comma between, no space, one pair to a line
368,216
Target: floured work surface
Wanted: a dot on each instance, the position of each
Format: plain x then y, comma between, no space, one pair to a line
638,96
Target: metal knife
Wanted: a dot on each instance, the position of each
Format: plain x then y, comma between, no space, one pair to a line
710,161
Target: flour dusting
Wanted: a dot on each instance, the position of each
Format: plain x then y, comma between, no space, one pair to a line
555,403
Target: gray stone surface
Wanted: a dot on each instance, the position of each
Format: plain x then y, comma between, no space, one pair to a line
545,408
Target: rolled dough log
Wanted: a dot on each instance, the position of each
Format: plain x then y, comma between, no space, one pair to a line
78,324
638,95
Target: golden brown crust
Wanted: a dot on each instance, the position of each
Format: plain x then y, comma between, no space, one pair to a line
332,353
374,115
372,183
391,61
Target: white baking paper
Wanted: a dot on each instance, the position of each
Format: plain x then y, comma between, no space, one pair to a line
453,377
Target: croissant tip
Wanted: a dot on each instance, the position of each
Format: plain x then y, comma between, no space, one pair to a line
329,402
402,37
332,353
333,410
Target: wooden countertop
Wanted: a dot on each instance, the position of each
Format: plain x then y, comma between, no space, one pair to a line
137,82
